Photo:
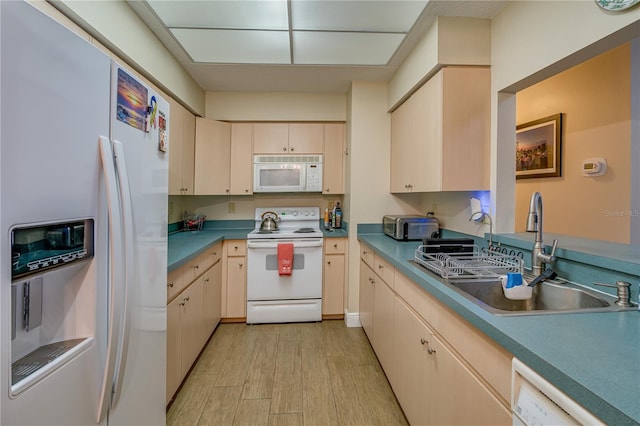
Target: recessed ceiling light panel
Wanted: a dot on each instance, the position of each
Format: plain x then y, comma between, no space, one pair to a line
235,46
321,48
360,15
238,14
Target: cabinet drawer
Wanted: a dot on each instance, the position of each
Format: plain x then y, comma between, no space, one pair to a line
236,247
212,255
366,254
175,282
335,245
384,270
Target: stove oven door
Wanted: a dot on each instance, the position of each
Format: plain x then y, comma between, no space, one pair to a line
272,297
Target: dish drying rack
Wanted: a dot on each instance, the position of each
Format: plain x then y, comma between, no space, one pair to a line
476,264
193,221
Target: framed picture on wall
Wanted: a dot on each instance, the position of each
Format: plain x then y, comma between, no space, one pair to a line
539,148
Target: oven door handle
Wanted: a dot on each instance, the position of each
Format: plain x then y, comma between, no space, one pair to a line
263,244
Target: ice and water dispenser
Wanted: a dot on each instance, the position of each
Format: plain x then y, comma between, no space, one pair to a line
53,312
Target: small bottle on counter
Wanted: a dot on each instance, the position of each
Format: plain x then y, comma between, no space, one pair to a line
338,216
326,218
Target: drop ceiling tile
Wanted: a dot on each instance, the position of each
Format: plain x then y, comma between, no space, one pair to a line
235,46
342,48
359,15
238,14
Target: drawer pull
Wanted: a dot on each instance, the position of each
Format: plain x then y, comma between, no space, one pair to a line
335,246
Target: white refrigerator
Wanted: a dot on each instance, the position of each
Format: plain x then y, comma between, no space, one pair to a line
83,222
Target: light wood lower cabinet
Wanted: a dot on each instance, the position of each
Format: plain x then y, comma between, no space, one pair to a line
234,294
212,300
334,277
367,282
193,312
433,382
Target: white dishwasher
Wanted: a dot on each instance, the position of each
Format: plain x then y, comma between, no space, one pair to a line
535,401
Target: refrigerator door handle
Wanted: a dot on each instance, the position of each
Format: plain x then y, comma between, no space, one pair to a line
127,217
116,273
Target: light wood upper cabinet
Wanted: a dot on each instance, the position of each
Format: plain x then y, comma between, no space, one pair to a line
333,160
181,149
440,135
213,151
241,172
306,138
287,138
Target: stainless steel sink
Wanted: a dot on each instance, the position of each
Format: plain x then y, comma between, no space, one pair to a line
548,298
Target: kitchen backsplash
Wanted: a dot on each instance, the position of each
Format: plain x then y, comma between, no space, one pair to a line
239,208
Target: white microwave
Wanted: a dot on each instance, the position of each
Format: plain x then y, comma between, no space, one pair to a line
287,173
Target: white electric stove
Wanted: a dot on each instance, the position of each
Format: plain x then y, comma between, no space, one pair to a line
275,298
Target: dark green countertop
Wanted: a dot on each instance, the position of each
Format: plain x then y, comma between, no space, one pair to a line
592,357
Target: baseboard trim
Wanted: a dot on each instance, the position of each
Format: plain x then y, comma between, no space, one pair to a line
352,319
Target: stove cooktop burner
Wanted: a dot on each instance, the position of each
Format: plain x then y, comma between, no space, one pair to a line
304,230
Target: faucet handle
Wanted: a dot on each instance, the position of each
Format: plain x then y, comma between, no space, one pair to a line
549,258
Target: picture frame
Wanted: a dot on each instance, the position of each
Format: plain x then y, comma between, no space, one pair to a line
539,148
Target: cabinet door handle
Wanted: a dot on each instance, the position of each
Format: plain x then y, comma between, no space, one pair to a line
196,266
284,148
184,301
327,190
170,284
227,190
246,190
206,280
335,246
430,350
423,341
328,262
291,149
240,264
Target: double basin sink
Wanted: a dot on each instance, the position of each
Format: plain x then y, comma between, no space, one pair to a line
549,297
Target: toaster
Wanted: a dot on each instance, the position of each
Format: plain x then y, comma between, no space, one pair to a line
411,227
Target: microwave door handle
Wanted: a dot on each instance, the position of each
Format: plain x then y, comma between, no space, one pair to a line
116,274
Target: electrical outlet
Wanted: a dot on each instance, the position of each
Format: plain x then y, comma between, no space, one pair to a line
232,207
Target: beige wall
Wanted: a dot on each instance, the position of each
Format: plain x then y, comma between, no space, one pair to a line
367,198
115,25
247,106
595,99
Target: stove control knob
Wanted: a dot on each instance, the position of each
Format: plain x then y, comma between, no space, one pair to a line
306,213
295,212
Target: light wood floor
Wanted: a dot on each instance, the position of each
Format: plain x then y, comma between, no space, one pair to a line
286,374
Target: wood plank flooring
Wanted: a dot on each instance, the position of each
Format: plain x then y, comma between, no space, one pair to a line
286,374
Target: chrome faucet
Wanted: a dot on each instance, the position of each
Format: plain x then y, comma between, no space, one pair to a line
539,257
